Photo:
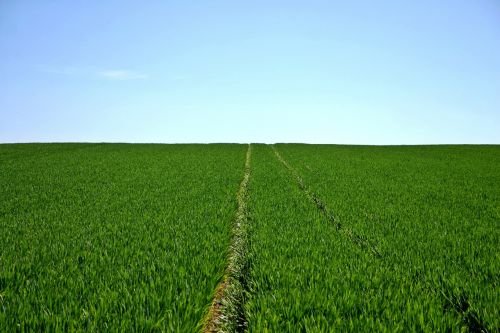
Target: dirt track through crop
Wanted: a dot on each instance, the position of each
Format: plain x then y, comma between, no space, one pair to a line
362,242
226,313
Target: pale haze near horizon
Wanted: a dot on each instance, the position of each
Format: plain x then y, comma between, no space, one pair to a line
350,72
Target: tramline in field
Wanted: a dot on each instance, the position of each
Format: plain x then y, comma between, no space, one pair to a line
286,237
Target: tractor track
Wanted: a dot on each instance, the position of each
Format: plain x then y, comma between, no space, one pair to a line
226,312
360,241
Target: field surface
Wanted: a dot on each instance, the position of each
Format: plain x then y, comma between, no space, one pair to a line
113,237
223,237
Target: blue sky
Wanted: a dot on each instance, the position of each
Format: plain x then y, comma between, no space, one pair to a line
360,72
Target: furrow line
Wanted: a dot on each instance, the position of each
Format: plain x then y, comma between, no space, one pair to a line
360,241
226,312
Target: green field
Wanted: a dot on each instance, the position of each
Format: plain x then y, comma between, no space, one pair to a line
146,237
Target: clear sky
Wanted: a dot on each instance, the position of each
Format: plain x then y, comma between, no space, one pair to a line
361,72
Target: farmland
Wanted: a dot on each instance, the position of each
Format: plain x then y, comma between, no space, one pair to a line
113,237
285,237
375,239
433,213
